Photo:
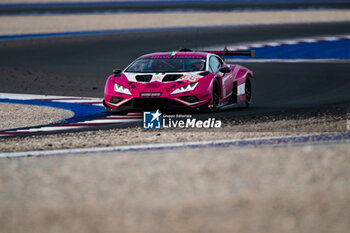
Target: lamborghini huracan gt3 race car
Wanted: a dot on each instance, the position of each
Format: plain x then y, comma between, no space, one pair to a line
183,80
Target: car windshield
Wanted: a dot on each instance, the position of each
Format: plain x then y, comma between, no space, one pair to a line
165,64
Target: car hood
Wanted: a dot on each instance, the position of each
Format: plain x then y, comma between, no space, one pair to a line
163,77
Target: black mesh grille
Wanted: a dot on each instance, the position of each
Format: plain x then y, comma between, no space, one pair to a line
190,98
171,77
143,78
150,103
116,100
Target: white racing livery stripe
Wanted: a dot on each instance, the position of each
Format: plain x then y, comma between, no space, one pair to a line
120,103
195,103
241,89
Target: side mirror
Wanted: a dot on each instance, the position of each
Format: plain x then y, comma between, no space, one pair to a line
225,69
117,72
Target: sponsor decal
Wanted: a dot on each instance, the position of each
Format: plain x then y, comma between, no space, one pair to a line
158,77
155,120
190,78
151,93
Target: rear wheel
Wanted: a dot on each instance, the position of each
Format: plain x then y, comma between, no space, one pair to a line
233,98
216,94
248,92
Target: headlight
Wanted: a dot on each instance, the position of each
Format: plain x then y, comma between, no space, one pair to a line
121,89
189,87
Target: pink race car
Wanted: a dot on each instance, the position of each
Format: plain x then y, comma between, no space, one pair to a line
182,80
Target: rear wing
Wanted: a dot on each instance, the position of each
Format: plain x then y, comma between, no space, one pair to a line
227,52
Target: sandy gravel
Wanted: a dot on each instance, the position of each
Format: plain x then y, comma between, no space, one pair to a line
82,22
300,189
21,115
234,128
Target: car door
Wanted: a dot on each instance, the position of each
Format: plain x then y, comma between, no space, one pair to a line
215,63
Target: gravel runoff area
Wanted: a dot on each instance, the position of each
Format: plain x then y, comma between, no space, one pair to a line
21,115
10,25
293,189
271,125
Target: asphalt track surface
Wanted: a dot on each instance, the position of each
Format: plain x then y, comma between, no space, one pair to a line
108,6
79,66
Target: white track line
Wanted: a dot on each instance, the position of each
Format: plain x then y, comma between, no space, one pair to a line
110,121
34,96
79,101
43,129
145,147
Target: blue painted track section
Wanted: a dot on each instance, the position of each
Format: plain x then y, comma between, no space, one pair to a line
82,112
318,50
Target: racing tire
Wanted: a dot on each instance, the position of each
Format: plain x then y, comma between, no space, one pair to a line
247,92
233,99
216,95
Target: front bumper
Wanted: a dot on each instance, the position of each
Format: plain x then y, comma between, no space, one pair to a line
156,95
140,104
